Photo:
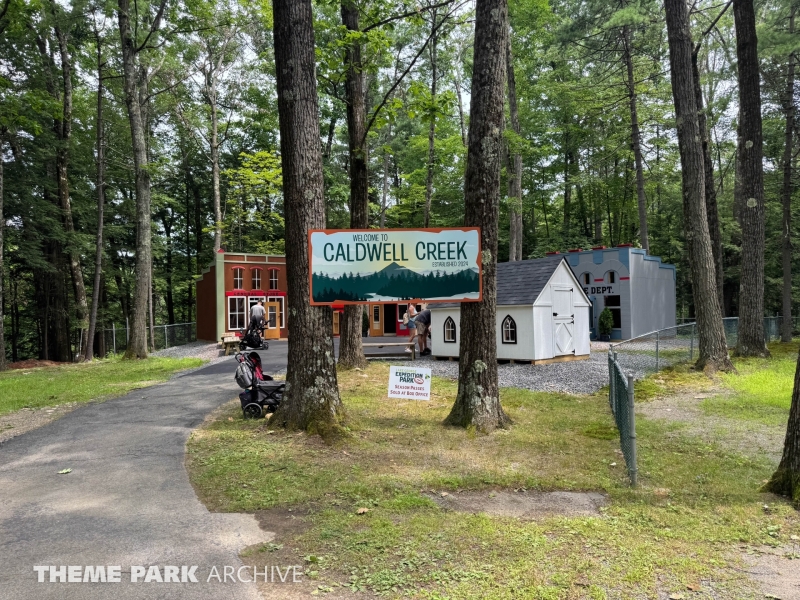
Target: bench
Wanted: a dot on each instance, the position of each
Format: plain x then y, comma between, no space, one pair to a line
412,354
231,343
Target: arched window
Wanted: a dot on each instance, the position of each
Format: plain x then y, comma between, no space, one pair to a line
586,279
611,277
449,330
257,278
509,329
238,278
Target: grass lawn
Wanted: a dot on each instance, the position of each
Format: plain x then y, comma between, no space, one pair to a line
82,382
681,532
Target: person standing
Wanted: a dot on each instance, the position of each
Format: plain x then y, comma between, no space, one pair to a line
408,321
257,317
423,323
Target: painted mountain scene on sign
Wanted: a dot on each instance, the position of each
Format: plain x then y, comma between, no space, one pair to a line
395,282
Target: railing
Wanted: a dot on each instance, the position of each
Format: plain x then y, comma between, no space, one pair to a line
649,353
620,397
115,339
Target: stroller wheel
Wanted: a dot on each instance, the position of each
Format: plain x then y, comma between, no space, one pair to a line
252,411
264,345
242,346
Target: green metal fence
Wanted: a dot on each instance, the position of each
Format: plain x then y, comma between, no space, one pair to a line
620,397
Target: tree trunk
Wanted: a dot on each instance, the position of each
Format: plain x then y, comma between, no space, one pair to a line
431,125
351,352
385,196
62,163
215,171
100,185
477,402
137,344
636,141
168,223
712,212
712,351
312,400
751,340
786,480
2,272
515,167
786,196
567,182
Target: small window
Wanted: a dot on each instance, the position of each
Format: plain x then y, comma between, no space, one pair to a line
236,313
611,277
509,330
273,279
586,278
449,330
238,278
376,315
256,279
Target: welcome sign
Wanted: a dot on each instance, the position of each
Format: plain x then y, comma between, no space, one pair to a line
355,266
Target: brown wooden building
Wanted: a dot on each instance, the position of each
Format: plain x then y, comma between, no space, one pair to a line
233,283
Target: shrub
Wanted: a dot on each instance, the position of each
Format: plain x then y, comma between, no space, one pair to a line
606,322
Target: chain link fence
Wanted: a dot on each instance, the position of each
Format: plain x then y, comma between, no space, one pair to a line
620,397
115,339
657,350
647,354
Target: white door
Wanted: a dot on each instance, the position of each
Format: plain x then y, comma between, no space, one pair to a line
563,321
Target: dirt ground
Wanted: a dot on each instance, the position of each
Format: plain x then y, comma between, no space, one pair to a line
34,364
26,419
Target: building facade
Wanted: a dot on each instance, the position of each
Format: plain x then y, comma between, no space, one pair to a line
542,314
637,288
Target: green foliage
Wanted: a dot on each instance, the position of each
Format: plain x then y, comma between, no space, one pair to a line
605,323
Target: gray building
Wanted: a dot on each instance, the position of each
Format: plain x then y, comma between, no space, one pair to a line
638,288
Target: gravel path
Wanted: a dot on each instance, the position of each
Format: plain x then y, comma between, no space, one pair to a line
575,377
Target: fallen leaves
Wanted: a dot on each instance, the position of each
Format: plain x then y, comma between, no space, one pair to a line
64,471
362,511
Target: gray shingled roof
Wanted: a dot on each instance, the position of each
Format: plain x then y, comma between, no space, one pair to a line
522,281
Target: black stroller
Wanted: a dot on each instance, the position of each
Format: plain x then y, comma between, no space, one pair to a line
249,338
261,393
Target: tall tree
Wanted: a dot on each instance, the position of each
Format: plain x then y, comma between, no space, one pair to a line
100,188
786,192
713,351
351,352
514,164
786,479
432,46
478,399
2,265
636,136
312,400
750,155
135,85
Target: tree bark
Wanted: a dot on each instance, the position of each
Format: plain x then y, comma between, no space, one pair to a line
477,402
3,365
137,344
786,479
100,185
385,196
432,124
636,140
312,400
351,352
751,340
786,195
713,352
515,166
712,211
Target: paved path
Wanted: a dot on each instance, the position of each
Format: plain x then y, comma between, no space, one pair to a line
128,500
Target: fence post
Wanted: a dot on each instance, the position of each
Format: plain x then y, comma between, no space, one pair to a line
611,380
166,342
127,332
632,468
691,345
114,336
657,337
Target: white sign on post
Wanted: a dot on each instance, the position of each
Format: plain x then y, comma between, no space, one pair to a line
409,383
